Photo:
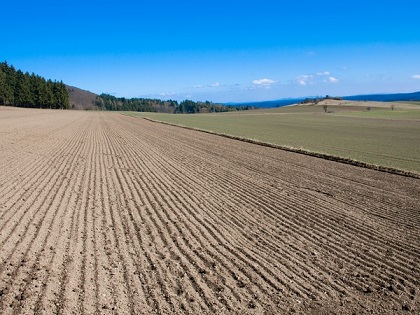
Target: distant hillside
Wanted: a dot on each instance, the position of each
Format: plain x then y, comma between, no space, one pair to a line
370,97
385,97
81,99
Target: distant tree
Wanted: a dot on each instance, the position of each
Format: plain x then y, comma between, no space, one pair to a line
50,98
2,87
61,95
8,89
22,93
110,102
39,90
189,107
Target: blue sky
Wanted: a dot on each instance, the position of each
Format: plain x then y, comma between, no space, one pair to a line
222,51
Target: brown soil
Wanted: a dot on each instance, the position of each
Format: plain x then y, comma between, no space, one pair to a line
102,213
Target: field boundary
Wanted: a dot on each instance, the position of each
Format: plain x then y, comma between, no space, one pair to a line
324,156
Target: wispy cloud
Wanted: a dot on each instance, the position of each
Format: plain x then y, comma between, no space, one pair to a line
213,85
416,76
263,82
312,79
304,79
166,94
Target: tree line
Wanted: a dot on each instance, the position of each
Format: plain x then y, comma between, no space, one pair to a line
191,107
110,102
30,90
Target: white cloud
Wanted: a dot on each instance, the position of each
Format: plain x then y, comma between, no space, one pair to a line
304,79
263,82
416,76
316,78
213,85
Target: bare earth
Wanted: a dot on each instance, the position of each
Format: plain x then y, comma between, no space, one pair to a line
102,213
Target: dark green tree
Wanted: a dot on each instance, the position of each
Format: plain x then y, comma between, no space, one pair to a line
50,97
8,89
25,90
61,96
23,96
2,87
39,90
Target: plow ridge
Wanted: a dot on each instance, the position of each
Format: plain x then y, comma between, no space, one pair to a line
107,214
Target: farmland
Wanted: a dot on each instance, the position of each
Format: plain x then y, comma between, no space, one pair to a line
378,136
103,213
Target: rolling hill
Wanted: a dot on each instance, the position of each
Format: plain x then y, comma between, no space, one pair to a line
385,97
81,99
369,97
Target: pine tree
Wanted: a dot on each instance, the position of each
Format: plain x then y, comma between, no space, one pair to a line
2,87
22,93
9,87
39,87
61,95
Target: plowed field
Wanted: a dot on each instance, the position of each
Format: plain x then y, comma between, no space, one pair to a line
102,213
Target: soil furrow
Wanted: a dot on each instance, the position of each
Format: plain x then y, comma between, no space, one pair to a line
186,216
50,215
102,213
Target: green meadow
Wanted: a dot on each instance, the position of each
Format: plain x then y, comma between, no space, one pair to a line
377,135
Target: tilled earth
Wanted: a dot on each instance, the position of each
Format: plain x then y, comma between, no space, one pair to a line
102,213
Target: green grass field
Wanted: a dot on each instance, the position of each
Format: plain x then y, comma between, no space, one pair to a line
379,136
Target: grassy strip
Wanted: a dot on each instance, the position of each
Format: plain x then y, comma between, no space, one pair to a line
301,151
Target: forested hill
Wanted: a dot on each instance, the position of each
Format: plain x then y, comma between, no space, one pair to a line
30,90
109,102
